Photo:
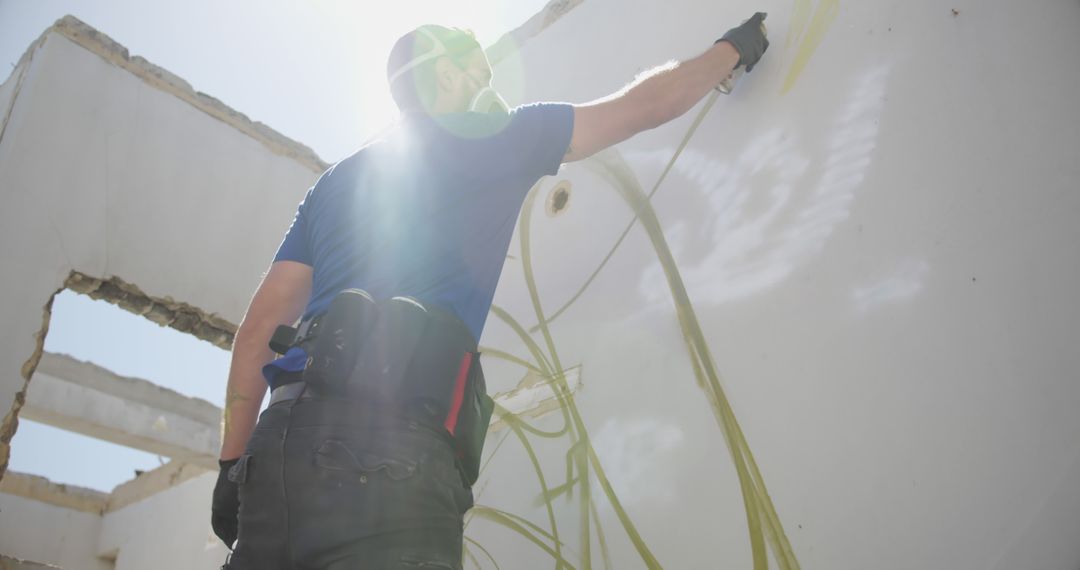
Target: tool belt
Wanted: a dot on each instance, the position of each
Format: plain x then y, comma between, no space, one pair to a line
419,359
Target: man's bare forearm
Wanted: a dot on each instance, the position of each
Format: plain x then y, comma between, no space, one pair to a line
245,389
664,92
280,299
674,88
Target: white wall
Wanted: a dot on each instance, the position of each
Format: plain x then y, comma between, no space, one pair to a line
880,251
169,530
32,530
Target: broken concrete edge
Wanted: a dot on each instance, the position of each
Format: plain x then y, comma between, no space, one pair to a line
113,52
152,482
37,488
11,563
515,39
82,499
162,310
10,423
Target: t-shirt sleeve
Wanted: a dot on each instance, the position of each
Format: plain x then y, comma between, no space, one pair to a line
296,246
538,136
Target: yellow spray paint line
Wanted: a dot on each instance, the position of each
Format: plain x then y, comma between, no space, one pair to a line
489,352
469,556
671,163
583,437
826,12
605,555
637,200
501,518
531,526
584,513
515,426
483,550
494,451
546,369
762,520
823,17
800,16
583,471
736,443
472,557
756,499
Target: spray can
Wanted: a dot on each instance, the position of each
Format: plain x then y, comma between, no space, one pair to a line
729,82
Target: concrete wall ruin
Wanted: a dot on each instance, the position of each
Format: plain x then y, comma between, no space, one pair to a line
114,169
121,182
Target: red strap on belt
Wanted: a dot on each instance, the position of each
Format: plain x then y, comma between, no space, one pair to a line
459,393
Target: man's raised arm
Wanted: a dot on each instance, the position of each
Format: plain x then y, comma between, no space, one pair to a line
663,93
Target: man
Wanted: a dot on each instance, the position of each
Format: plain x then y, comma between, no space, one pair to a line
335,482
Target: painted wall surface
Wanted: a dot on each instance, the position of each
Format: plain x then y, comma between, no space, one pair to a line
841,334
168,530
63,537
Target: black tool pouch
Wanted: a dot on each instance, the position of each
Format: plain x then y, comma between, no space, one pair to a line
382,367
473,418
446,368
425,360
342,331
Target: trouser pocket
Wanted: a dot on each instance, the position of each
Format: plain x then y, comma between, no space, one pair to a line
336,455
352,486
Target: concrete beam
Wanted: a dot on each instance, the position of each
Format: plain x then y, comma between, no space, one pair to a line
151,483
85,398
41,489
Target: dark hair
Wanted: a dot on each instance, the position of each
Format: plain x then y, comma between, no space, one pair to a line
416,88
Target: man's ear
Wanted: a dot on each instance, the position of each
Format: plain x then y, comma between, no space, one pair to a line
446,74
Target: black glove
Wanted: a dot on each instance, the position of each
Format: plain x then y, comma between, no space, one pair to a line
749,39
225,508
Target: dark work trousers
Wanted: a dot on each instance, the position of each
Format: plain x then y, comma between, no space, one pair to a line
327,484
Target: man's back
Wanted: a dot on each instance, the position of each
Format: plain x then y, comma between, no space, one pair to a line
427,211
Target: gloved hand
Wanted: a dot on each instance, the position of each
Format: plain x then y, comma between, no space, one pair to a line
749,40
225,508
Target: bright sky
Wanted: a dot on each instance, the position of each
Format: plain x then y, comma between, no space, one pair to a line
313,70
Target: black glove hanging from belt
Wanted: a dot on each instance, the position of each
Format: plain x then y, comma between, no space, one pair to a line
225,508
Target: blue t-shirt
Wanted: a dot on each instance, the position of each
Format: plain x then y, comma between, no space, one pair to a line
427,211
